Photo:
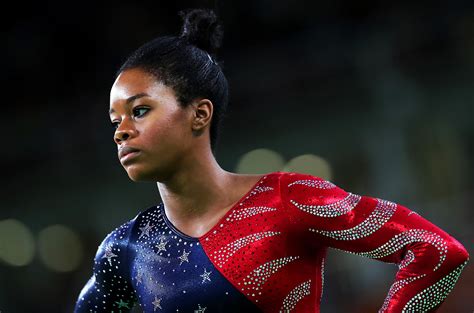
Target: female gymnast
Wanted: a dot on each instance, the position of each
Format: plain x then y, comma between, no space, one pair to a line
226,242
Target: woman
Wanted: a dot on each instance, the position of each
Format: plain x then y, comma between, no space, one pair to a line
225,242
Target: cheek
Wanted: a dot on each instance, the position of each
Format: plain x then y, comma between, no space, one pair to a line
155,136
168,133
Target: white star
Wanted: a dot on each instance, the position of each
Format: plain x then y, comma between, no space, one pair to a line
139,277
161,246
184,257
205,276
200,310
156,304
109,254
145,230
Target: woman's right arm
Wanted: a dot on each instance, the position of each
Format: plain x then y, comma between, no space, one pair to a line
109,288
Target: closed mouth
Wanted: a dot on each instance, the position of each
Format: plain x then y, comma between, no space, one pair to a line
129,155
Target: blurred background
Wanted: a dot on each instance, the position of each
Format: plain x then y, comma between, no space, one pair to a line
375,96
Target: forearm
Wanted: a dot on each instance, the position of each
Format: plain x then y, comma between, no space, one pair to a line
429,265
430,260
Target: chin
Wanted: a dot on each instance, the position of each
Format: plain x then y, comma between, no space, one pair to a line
139,175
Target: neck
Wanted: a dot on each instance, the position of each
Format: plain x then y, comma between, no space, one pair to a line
198,189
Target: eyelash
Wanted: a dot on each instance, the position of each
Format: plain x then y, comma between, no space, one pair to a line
115,124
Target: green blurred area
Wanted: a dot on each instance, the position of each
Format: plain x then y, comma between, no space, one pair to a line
380,93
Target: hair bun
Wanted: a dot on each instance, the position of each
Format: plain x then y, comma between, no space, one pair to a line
202,29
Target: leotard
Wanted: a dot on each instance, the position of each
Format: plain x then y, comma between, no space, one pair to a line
267,254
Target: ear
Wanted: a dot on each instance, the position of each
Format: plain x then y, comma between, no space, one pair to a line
203,109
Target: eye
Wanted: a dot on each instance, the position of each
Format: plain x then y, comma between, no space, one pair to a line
137,112
140,109
114,125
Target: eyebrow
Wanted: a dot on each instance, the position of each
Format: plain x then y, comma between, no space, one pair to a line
131,99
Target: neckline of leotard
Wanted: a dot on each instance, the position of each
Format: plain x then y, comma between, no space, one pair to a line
182,235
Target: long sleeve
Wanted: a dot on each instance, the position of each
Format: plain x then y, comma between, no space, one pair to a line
109,289
429,260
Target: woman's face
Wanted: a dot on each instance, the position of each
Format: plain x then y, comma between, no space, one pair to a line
148,118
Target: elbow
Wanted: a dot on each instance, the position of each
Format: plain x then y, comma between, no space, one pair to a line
458,252
464,254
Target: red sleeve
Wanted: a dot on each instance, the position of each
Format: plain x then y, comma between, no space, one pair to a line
429,260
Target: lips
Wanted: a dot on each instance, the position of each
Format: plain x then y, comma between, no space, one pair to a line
123,151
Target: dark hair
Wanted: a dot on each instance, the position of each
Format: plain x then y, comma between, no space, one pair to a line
187,63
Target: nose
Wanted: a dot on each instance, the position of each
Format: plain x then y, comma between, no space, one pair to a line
124,131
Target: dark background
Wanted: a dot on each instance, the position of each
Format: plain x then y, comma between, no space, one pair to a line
382,91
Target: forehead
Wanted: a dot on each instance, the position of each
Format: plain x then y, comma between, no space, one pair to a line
135,81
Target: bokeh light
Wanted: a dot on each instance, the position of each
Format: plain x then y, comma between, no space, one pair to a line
310,164
17,246
60,248
260,161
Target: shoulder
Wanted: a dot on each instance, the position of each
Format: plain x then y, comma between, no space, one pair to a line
294,179
111,253
295,185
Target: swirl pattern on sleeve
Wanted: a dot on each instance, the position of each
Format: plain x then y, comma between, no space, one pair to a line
430,261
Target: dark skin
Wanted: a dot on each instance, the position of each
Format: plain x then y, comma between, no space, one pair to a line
174,151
